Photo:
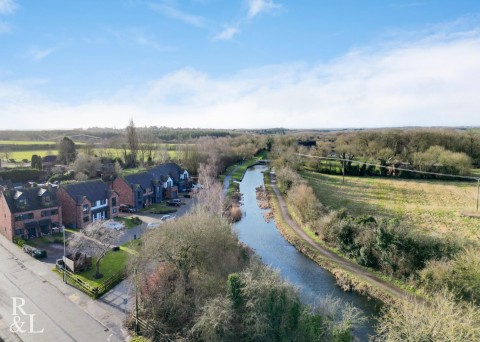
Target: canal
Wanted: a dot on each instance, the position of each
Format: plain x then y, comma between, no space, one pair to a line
314,282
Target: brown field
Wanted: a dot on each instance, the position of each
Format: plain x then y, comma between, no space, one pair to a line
431,205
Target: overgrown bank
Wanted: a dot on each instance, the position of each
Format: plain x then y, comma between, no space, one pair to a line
348,281
441,317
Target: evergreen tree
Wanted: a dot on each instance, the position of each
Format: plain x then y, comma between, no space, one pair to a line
66,151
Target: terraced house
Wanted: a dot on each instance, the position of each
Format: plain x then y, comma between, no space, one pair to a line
86,202
174,178
27,213
140,190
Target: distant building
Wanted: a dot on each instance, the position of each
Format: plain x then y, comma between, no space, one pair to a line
28,213
48,162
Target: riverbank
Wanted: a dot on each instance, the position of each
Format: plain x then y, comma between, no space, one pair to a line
349,276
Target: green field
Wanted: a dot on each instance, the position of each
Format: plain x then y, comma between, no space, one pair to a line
431,205
25,142
20,155
109,152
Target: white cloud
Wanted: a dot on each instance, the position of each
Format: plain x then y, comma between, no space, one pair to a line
432,81
138,37
38,54
7,6
256,7
174,13
227,34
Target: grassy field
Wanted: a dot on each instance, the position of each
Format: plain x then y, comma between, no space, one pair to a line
434,206
25,142
19,155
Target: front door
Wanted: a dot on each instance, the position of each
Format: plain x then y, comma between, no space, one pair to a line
32,232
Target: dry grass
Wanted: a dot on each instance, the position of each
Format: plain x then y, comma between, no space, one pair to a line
434,206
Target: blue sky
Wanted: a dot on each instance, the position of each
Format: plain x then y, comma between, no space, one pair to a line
239,63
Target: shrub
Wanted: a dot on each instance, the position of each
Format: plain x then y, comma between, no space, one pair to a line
18,241
22,174
235,213
442,319
136,220
460,275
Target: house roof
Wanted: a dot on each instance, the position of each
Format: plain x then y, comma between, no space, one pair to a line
32,197
143,179
94,190
168,169
49,159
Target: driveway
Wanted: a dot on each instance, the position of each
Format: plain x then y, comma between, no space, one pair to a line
136,232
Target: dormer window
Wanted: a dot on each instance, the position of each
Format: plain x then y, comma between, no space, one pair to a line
21,202
46,199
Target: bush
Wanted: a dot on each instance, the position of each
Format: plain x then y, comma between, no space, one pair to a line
18,241
61,177
460,275
235,213
22,174
439,320
388,245
136,220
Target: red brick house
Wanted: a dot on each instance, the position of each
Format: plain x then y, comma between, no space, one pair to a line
138,190
86,202
27,213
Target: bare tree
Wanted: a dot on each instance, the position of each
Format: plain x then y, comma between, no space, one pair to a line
210,199
95,240
87,165
162,154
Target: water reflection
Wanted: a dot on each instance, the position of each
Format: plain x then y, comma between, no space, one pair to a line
314,282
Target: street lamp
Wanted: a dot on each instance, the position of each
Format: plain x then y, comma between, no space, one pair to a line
64,247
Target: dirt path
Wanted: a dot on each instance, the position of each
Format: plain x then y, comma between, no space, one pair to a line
345,264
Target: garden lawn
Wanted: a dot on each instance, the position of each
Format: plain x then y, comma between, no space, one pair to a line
113,263
159,208
432,205
126,221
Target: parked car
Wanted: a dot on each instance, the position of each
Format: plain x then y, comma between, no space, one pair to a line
114,225
124,208
153,225
34,252
166,218
174,202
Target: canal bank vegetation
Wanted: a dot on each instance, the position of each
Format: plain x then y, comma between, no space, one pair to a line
424,256
197,282
445,316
